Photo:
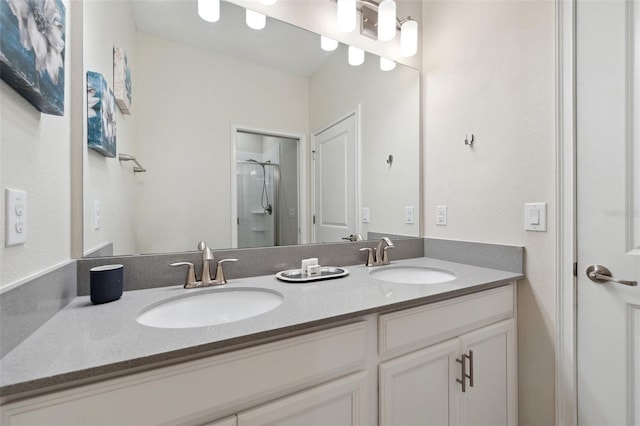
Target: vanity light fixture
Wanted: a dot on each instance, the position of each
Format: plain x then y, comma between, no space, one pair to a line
209,10
379,21
387,64
255,20
356,56
347,14
387,20
328,44
409,38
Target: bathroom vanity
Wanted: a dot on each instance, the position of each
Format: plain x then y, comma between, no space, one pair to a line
351,351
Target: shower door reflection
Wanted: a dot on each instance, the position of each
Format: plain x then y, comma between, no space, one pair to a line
267,190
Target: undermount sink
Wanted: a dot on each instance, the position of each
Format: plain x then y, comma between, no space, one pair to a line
214,307
412,275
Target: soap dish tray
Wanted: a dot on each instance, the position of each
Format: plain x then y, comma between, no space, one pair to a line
326,273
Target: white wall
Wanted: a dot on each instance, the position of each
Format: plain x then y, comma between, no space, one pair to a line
489,68
34,157
390,124
190,160
106,179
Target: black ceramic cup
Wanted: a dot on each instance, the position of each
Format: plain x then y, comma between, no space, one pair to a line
106,283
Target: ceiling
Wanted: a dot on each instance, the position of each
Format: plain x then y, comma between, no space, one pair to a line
280,46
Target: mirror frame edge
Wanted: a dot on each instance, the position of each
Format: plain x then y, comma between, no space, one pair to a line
76,95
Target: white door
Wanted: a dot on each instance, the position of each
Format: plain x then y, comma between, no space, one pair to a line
608,215
335,181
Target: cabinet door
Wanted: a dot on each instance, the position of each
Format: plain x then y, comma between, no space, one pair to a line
340,403
492,400
420,388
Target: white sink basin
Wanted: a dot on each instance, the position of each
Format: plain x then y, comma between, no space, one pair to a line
412,275
202,309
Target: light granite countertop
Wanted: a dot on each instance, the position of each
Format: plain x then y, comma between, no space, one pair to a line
85,341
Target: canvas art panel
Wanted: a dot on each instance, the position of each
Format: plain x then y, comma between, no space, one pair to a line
122,80
101,115
32,50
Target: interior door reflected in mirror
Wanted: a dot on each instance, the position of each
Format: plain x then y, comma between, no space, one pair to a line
192,81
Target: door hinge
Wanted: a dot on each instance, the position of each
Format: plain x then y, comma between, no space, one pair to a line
314,219
575,269
313,154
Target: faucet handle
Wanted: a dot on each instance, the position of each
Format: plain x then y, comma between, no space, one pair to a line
385,255
370,256
191,274
219,278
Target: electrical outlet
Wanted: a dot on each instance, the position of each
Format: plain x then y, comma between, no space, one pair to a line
408,215
97,214
441,215
15,217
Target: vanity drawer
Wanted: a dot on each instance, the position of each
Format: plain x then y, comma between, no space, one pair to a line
208,388
414,328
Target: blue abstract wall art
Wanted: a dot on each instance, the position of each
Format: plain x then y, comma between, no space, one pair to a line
101,115
32,49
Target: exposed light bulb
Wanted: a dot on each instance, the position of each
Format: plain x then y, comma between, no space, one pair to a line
255,20
356,56
387,20
387,64
347,15
268,2
328,44
209,10
409,38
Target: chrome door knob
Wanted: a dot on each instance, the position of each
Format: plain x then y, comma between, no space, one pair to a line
600,274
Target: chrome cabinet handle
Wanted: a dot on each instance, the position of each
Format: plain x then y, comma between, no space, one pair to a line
470,376
463,363
600,274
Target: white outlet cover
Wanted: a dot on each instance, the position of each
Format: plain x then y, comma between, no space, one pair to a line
441,215
97,214
408,215
15,217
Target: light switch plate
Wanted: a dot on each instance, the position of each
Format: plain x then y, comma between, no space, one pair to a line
535,217
365,215
441,215
15,217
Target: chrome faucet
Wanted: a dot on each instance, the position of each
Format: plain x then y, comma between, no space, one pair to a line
382,255
379,255
205,280
207,257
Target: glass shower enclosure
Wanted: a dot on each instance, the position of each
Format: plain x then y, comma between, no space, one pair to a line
266,169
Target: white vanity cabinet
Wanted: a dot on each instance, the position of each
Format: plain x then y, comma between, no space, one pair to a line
405,362
303,377
426,350
339,402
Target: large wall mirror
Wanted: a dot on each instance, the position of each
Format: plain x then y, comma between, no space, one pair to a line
221,112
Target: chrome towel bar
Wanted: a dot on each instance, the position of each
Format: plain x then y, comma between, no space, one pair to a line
137,168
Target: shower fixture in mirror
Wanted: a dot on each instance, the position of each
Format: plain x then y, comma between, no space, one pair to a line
196,84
